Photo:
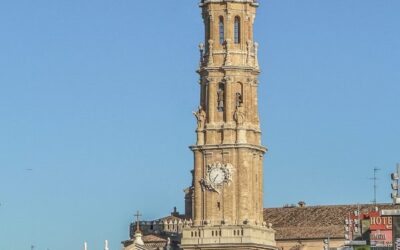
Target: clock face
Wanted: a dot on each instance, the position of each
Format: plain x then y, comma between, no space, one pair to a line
217,176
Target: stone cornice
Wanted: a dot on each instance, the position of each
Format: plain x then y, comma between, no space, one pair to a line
229,68
229,146
251,2
221,126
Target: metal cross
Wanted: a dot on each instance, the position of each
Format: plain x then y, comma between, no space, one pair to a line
137,215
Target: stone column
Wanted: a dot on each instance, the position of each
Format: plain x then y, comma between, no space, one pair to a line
198,168
260,188
243,199
211,102
228,99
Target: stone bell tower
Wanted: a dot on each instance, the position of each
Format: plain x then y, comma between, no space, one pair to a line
227,205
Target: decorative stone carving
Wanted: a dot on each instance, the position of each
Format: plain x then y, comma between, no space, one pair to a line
248,45
228,59
210,52
201,48
200,115
217,176
228,14
220,98
238,100
256,56
239,115
228,79
249,80
211,80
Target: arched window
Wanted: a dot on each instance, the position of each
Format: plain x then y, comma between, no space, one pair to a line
221,30
237,30
207,29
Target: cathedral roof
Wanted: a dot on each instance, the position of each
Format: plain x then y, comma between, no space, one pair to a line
314,222
140,247
151,241
130,245
152,238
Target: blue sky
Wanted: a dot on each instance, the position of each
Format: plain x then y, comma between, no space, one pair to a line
96,98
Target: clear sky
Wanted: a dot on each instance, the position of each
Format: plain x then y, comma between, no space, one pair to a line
96,97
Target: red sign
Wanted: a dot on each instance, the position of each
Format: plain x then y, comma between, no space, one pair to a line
380,228
379,223
381,238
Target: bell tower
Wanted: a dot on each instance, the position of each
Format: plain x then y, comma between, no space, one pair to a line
227,191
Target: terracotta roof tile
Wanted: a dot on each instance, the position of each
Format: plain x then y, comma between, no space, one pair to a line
313,222
152,238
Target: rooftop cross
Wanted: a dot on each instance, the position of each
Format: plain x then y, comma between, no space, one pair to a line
137,215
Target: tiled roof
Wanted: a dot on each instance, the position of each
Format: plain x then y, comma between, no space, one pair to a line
139,247
152,238
313,222
129,244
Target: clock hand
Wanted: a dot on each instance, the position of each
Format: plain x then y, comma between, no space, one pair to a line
215,178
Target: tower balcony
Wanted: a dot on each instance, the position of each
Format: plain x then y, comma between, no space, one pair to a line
228,237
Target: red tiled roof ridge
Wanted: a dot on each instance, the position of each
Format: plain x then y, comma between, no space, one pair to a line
153,238
333,205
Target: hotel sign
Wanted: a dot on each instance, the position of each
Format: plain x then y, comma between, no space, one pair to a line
379,227
380,223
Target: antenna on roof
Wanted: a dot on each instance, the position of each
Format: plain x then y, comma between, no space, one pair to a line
375,178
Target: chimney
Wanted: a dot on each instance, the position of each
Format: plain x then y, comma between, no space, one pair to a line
302,204
175,212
